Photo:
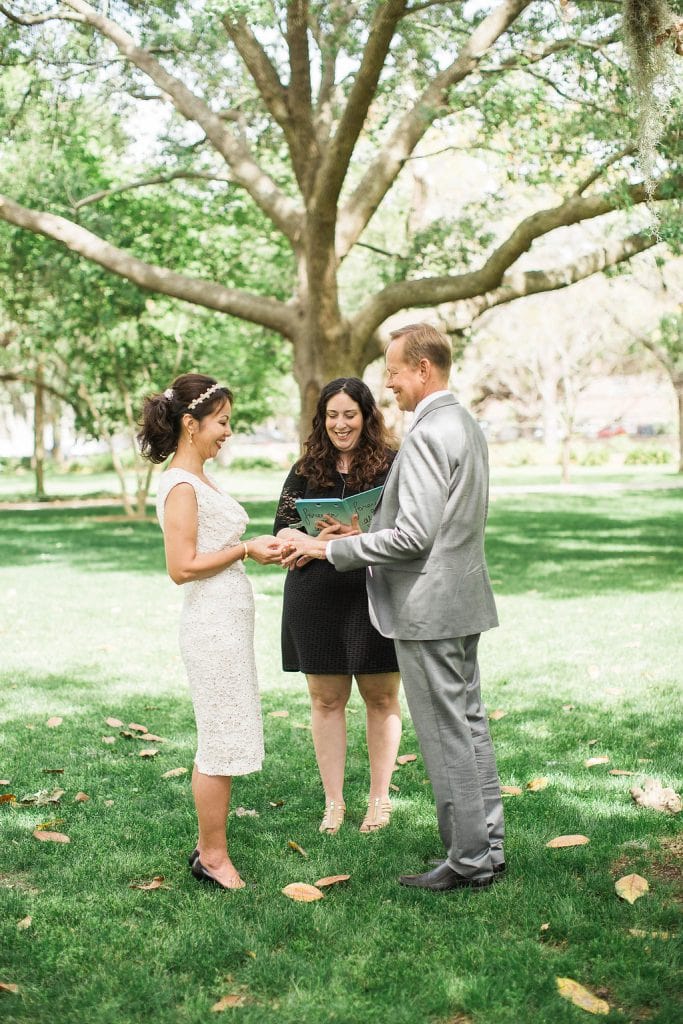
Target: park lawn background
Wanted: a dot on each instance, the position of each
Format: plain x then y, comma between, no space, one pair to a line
589,593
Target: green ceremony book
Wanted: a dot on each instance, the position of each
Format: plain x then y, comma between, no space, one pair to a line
312,509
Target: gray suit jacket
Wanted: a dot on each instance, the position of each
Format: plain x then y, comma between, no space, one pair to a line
428,577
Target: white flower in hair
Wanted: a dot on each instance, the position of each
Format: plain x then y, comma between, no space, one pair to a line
168,393
205,394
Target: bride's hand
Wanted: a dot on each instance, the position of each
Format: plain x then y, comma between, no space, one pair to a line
266,550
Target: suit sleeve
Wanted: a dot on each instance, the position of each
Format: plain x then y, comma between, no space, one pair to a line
423,486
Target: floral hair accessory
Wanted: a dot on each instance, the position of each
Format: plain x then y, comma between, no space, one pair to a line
168,393
204,395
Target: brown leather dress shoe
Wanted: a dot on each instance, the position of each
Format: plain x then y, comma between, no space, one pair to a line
443,878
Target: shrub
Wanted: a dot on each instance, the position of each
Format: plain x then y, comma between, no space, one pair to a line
253,462
598,456
646,456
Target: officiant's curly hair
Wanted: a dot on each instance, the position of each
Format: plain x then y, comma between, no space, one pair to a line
162,414
371,456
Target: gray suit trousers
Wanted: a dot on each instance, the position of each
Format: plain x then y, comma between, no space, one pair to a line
441,682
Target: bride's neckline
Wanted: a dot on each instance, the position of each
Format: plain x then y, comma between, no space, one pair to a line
179,469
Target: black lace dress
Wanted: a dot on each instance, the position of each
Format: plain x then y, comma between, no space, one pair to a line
326,628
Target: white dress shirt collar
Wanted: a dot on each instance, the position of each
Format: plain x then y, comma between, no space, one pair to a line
423,403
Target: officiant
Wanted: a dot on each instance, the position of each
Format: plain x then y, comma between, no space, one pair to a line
326,628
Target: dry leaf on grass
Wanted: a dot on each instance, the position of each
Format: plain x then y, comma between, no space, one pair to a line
638,933
43,797
4,782
50,837
511,790
137,728
619,771
299,849
225,1002
393,788
52,723
406,758
568,707
657,797
537,784
81,798
278,714
173,773
109,739
24,923
591,762
151,738
276,803
245,812
8,798
53,771
331,880
114,723
591,743
560,842
6,986
631,887
301,892
580,996
148,753
544,927
154,883
496,715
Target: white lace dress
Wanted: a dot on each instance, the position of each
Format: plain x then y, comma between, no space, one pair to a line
217,638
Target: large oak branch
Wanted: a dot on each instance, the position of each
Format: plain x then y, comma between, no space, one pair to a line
490,277
383,171
283,212
254,308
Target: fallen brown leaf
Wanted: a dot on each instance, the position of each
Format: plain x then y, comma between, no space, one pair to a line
155,883
276,803
619,771
496,715
148,753
109,739
568,707
591,743
114,723
151,738
580,996
278,714
591,762
406,758
631,887
81,798
6,986
301,892
52,723
4,782
50,837
511,790
331,880
544,927
24,923
173,773
225,1002
43,797
640,934
8,798
137,728
393,788
657,797
245,812
537,784
560,842
108,803
299,849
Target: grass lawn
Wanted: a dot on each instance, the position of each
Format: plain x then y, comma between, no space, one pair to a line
586,663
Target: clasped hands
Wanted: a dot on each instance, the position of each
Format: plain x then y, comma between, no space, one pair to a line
300,550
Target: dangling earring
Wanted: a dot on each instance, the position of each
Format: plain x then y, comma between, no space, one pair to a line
190,435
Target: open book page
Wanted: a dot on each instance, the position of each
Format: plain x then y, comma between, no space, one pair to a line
311,510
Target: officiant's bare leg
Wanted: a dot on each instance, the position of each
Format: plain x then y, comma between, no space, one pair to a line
329,697
383,731
212,800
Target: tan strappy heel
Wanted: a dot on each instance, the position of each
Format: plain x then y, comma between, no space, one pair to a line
378,814
334,816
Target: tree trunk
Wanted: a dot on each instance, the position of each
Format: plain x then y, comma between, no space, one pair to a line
678,385
322,352
55,417
39,433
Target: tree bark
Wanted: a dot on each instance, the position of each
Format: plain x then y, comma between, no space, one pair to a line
39,433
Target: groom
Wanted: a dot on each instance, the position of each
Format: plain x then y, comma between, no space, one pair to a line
428,588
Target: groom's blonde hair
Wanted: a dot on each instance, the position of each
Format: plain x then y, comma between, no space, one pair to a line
422,341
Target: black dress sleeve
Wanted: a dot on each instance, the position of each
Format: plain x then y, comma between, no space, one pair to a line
286,515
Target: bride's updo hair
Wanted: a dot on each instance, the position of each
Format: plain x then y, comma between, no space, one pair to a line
162,414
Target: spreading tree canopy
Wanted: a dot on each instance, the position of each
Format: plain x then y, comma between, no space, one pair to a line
290,129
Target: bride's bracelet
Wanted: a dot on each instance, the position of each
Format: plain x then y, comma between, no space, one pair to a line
245,551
